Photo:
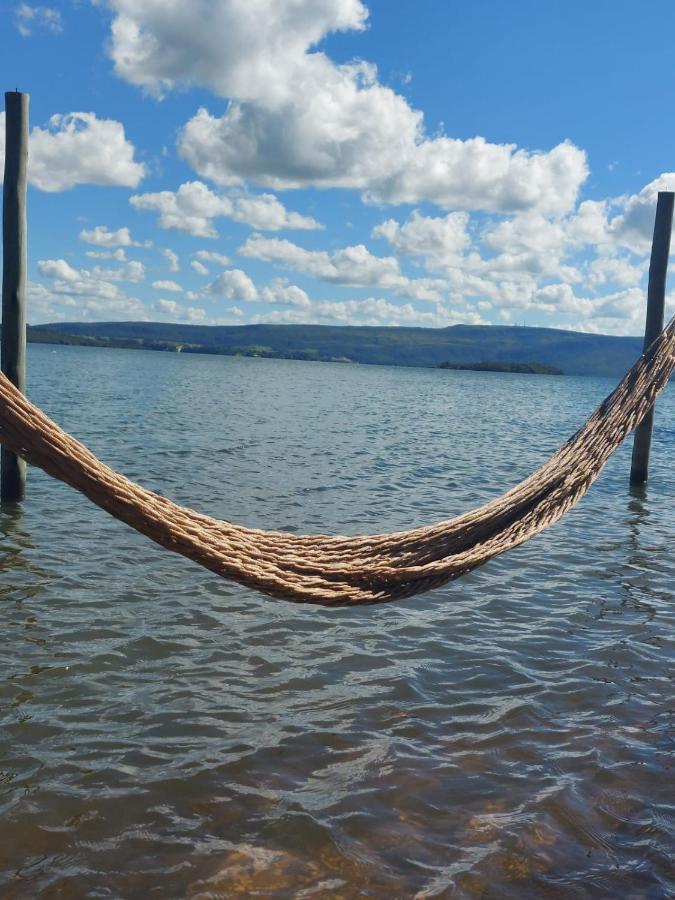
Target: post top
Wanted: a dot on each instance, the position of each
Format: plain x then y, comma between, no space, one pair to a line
13,96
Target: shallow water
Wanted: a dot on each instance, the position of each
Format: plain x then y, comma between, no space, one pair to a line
164,733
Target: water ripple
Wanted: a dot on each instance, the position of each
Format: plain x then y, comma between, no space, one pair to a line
164,733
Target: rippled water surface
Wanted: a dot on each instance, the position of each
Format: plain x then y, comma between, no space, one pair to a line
164,733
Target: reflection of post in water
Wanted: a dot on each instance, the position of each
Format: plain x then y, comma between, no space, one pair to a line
639,561
15,540
638,507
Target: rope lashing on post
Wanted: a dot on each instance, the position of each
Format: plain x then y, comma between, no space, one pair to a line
341,571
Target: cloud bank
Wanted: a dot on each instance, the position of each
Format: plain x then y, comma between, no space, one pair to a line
294,118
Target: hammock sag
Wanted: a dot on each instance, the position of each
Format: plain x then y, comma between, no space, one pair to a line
341,571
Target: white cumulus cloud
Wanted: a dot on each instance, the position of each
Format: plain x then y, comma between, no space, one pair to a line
79,148
118,255
193,315
171,307
265,212
281,292
234,285
193,206
132,271
296,118
102,236
213,256
634,226
27,18
172,259
85,294
441,240
351,266
58,269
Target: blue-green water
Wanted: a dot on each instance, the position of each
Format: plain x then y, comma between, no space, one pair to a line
164,733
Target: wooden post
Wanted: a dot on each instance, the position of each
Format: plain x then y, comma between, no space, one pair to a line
656,300
14,249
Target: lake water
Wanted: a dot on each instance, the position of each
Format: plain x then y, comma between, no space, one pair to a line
164,733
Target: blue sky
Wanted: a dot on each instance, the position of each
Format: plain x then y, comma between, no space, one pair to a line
337,161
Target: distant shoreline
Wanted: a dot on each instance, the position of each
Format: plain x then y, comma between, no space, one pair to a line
35,336
497,348
514,368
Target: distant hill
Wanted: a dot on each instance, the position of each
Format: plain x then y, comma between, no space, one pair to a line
573,353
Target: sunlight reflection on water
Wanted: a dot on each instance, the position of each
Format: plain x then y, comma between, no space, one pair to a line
165,733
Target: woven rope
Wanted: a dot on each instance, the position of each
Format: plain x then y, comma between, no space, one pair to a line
339,571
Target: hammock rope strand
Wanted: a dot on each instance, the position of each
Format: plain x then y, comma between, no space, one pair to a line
339,570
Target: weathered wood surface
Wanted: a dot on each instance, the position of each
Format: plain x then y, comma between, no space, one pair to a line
14,249
656,300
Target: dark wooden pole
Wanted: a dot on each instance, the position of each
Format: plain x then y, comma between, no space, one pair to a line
656,301
14,250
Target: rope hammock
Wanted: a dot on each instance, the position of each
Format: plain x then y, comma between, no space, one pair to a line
340,571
